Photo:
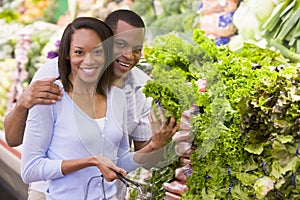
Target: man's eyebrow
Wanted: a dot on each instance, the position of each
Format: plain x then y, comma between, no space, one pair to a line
120,39
137,47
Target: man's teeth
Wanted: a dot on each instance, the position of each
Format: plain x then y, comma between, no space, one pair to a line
124,64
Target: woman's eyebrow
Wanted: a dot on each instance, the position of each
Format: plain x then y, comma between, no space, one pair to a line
98,46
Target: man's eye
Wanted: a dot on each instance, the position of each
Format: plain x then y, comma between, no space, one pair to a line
120,44
136,50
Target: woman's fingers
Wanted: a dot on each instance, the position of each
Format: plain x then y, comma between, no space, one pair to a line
109,169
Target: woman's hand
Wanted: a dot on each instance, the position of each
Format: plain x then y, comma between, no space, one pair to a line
108,168
105,165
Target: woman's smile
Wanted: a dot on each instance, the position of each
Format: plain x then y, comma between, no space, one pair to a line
89,71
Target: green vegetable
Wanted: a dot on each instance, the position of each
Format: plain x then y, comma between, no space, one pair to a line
274,18
292,56
270,21
249,125
164,97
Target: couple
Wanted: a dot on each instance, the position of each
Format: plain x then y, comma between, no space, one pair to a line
77,137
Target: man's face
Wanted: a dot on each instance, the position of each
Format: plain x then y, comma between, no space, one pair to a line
128,44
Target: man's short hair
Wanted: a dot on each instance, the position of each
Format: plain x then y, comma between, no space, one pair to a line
127,16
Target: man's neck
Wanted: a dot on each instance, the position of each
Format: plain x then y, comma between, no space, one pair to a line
119,82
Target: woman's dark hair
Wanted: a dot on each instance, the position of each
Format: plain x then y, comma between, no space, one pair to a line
105,34
127,16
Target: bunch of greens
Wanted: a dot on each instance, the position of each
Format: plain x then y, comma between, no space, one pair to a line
271,125
225,164
220,162
176,63
261,56
167,14
172,58
273,24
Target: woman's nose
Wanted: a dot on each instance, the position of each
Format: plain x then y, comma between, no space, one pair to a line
89,59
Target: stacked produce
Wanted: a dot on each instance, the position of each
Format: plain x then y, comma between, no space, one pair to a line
174,88
272,24
223,168
226,163
29,44
30,10
216,19
7,63
7,68
171,15
271,127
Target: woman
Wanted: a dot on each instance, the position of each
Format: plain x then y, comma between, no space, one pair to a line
77,142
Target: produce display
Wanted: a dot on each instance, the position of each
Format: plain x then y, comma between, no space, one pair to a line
7,64
28,54
225,163
237,103
31,9
216,19
272,24
175,15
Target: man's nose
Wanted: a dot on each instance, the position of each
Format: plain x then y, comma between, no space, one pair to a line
128,53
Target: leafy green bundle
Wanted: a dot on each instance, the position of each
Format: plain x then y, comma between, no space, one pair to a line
229,161
220,161
232,168
175,63
271,126
270,23
172,59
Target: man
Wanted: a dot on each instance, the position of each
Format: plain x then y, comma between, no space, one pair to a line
129,29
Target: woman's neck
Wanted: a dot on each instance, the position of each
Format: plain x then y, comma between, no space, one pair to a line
89,101
82,88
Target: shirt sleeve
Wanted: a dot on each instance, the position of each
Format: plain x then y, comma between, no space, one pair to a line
138,122
48,70
35,166
125,156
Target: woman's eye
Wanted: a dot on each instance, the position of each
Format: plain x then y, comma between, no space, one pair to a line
98,51
78,52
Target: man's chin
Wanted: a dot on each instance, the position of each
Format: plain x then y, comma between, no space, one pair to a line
120,75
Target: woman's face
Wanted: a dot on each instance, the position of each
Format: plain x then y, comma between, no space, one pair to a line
86,56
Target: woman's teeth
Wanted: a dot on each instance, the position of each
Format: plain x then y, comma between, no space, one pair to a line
88,70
